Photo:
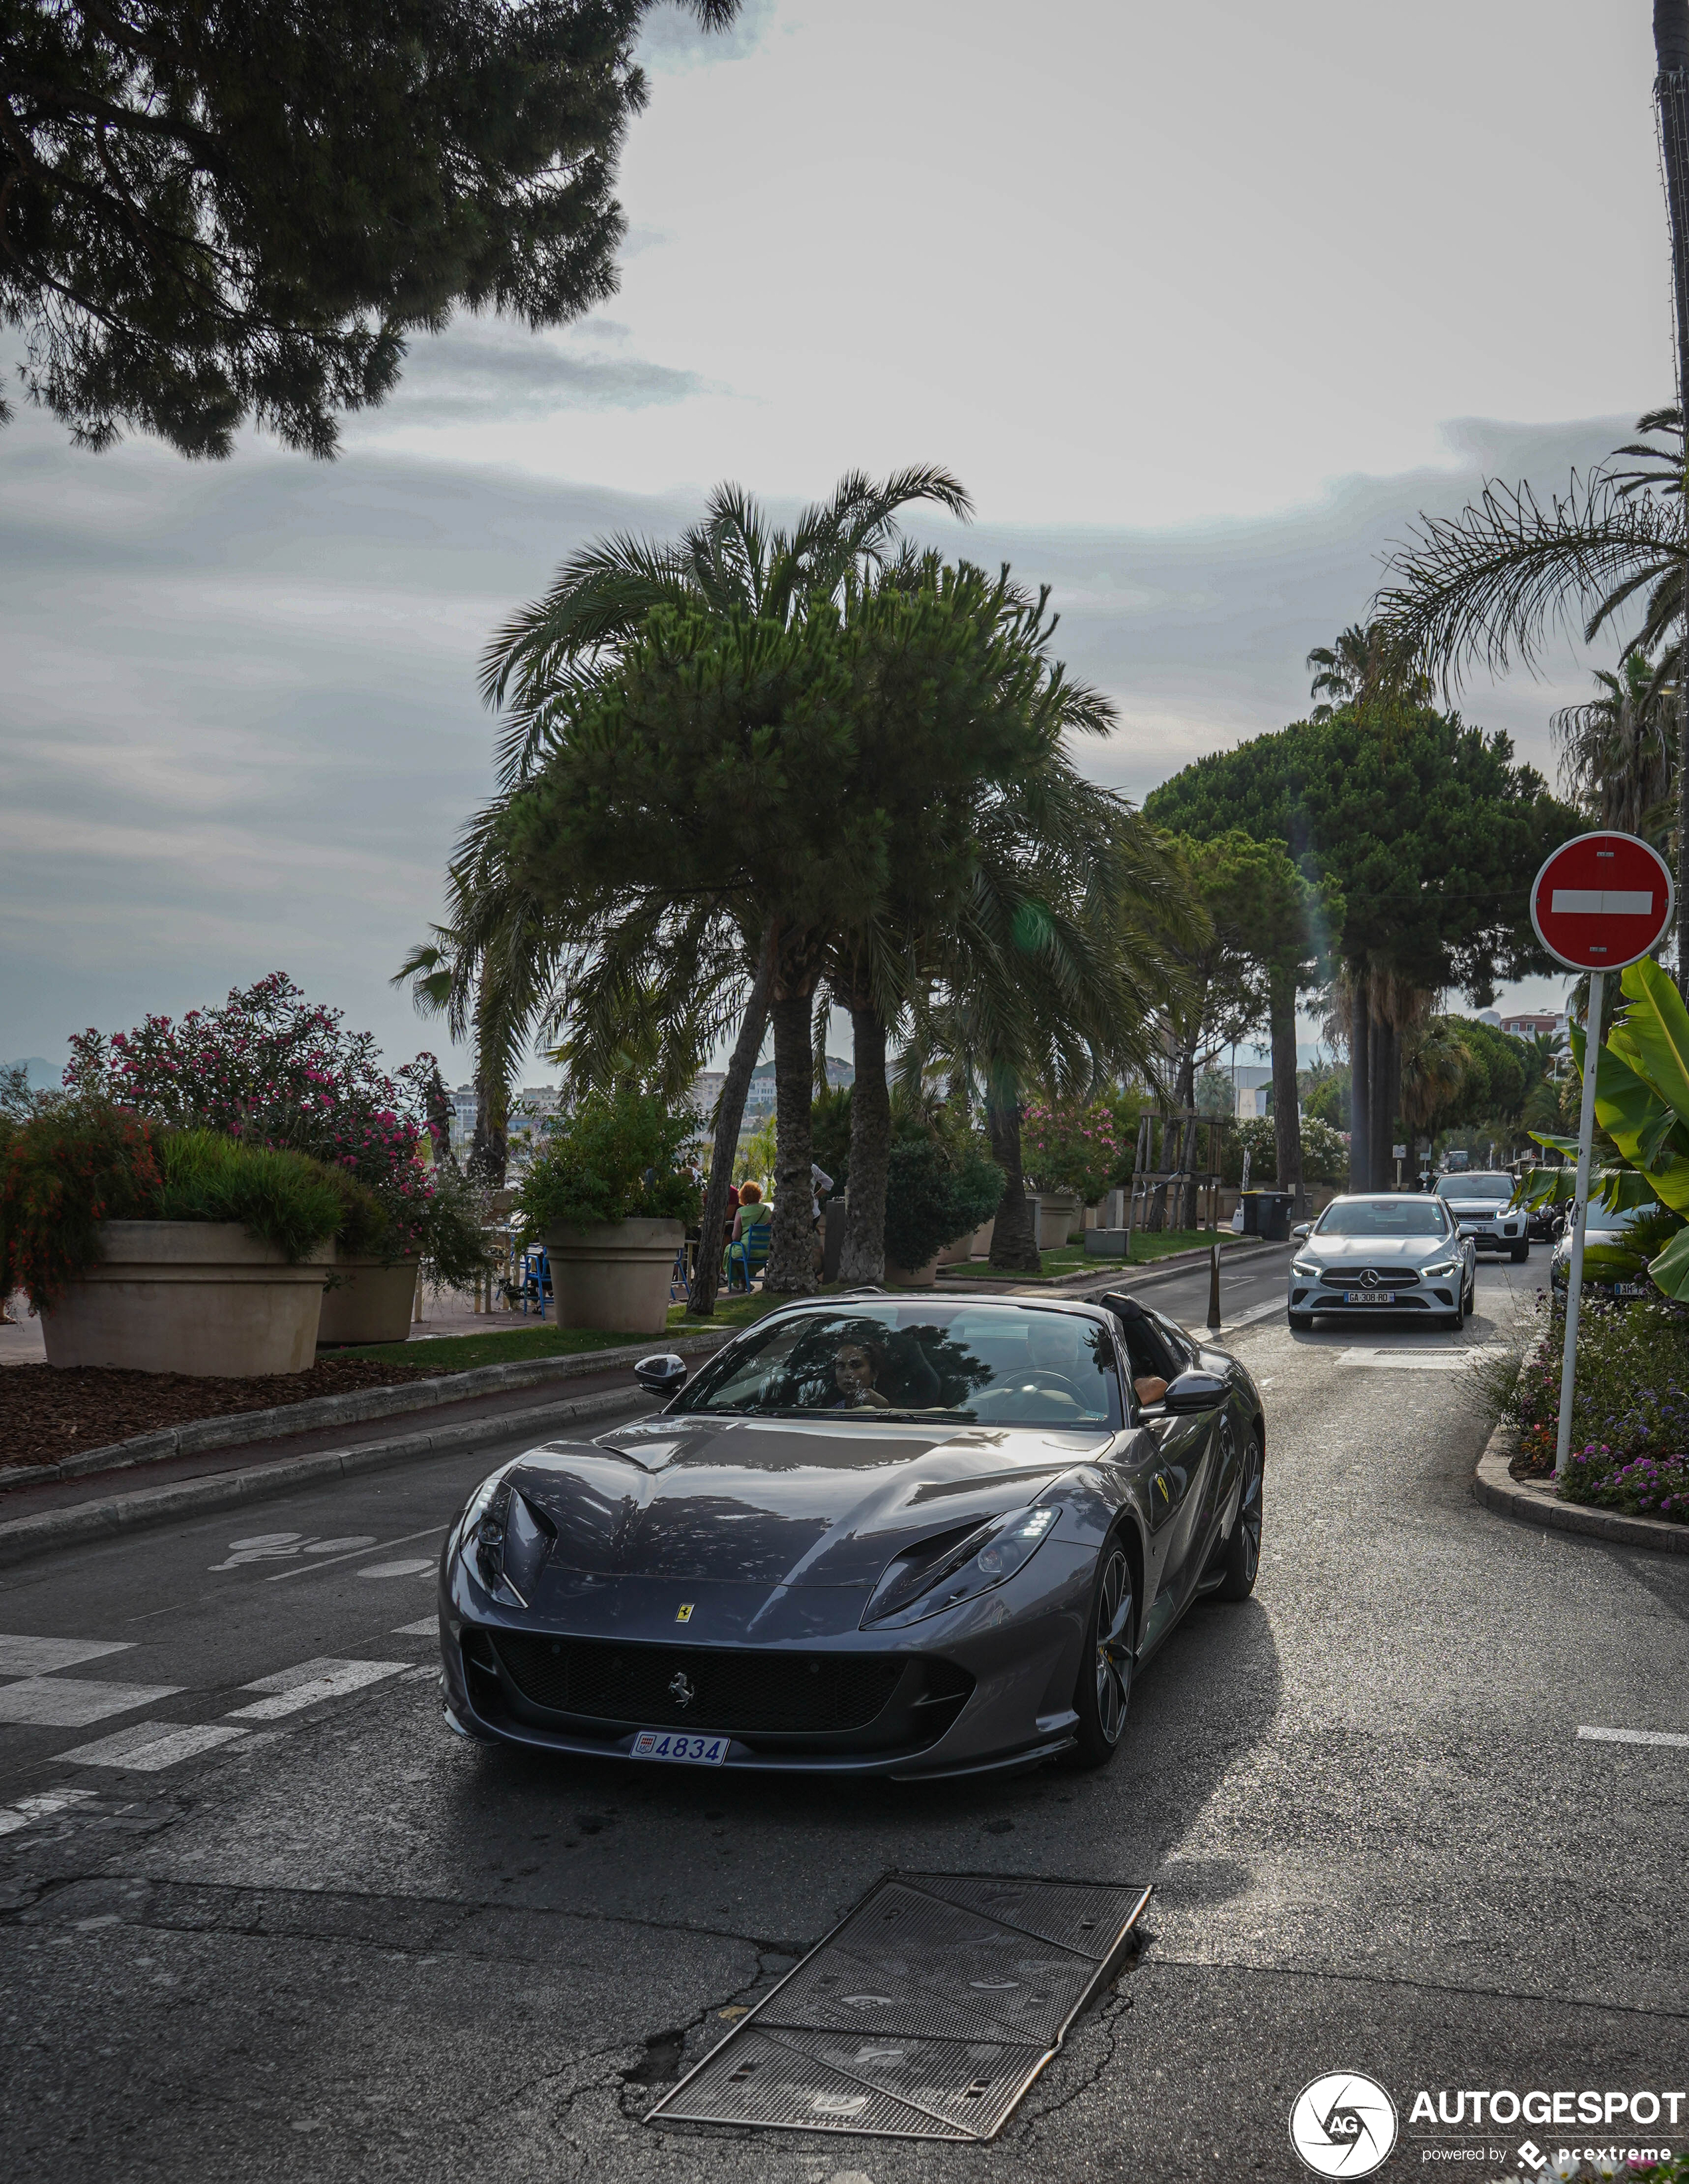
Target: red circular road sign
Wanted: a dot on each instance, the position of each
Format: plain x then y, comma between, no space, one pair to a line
1602,902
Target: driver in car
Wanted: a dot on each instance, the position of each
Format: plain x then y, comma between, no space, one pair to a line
856,1368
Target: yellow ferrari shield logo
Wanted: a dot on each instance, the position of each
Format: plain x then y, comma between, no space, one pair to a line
683,1613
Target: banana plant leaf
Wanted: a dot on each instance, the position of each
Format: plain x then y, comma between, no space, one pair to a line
1671,1268
1654,1034
1646,1128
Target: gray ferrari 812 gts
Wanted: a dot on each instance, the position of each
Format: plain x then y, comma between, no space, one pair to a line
876,1534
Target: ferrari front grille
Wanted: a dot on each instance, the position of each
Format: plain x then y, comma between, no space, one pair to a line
708,1689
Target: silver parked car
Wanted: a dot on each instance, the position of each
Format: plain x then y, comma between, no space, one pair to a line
1481,1201
1396,1252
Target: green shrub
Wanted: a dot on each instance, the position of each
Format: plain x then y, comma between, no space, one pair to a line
830,1135
63,1172
75,1164
934,1195
286,1199
616,1157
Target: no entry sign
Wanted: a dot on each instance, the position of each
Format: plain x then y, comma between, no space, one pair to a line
1603,901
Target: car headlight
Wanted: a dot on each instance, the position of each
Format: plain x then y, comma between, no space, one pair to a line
1306,1270
920,1583
482,1533
1443,1266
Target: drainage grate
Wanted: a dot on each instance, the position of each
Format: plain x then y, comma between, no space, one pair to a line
927,2014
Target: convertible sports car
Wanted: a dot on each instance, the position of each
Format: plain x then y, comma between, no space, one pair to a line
876,1535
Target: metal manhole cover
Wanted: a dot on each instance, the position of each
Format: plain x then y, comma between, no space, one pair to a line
926,2014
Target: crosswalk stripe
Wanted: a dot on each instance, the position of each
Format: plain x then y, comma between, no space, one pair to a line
292,1690
426,1626
21,1655
60,1702
41,1806
149,1745
1592,1735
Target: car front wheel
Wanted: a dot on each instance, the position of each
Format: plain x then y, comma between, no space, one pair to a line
1243,1550
1301,1322
1104,1691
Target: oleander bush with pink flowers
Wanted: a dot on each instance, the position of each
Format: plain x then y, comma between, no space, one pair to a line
271,1069
1071,1147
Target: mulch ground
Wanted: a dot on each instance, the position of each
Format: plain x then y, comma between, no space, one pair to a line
46,1413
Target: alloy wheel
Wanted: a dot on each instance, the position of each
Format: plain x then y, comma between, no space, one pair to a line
1114,1610
1249,1513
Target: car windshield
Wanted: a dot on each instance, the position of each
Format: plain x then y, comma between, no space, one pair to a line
1615,1224
1474,1186
999,1364
1383,1217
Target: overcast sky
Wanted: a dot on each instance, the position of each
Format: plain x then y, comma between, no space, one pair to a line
1202,304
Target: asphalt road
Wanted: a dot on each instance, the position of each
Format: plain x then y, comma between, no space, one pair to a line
325,1938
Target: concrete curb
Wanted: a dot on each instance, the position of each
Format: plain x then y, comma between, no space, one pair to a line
25,1537
246,1428
1116,1278
1534,1501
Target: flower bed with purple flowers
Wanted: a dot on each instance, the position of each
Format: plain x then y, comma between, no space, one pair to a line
1630,1415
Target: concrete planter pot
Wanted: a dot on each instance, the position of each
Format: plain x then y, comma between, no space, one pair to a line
614,1276
200,1297
957,1254
980,1248
911,1278
370,1302
1058,1211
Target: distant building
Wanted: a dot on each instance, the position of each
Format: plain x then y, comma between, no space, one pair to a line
1532,1024
1251,1090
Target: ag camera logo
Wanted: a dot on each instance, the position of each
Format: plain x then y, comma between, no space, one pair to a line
1343,2124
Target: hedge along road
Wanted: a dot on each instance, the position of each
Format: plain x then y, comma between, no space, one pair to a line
337,1941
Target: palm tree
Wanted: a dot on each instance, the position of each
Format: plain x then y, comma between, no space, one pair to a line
500,963
1361,668
1617,762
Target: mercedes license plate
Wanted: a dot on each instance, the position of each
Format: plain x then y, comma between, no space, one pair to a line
693,1750
1369,1296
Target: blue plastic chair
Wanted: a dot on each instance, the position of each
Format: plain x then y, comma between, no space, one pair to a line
750,1255
536,1280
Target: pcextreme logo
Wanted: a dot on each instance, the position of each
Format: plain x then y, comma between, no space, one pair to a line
1343,2124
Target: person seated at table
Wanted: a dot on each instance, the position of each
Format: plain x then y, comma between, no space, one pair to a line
752,1212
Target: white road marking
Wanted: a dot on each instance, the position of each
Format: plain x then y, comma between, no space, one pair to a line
1256,1311
404,1539
39,1657
147,1746
427,1627
292,1689
41,1806
56,1702
1671,1737
399,1569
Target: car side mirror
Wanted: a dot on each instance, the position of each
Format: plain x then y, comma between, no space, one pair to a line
1195,1390
664,1374
1302,1230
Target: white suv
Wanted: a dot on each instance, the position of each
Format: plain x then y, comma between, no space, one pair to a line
1482,1203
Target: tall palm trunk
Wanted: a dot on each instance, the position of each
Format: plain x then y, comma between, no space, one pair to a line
1281,1015
791,1250
1360,1082
1014,1244
1384,1075
1671,99
707,1278
863,1257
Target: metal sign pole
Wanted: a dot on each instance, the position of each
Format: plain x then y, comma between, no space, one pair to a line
1580,1207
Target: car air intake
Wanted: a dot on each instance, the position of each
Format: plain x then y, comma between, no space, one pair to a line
708,1689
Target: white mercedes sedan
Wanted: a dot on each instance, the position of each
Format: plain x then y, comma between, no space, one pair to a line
1396,1252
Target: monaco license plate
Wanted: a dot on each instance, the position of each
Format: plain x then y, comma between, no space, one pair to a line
690,1751
1369,1296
